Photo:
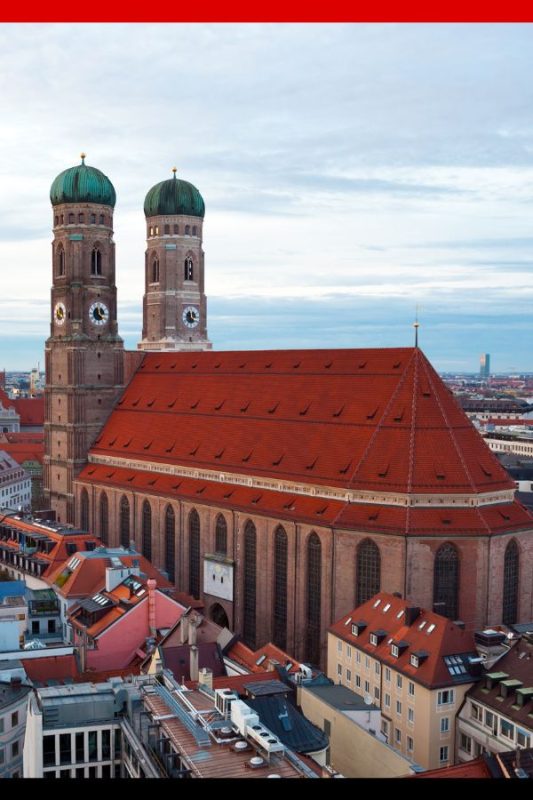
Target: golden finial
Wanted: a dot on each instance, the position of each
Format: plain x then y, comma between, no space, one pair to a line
174,170
83,157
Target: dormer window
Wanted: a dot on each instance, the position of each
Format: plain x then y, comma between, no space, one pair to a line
414,661
376,637
358,627
395,650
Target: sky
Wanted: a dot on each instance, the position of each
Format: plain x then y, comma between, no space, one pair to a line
350,173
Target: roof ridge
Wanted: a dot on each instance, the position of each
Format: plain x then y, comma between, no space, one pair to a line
378,427
450,431
411,465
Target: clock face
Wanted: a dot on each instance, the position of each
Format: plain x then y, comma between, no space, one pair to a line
98,313
191,316
60,313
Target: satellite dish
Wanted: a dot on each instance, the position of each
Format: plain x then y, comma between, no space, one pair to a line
368,700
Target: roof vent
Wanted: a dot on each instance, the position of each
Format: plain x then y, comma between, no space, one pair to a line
240,745
256,761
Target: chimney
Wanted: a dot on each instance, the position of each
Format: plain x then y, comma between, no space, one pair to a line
151,606
194,663
205,678
194,622
184,629
411,614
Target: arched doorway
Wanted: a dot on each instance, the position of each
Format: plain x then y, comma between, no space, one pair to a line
218,615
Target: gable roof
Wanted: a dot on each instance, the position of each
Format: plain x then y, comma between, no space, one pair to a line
443,648
373,420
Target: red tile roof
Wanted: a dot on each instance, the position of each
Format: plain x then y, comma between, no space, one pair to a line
458,521
471,769
22,451
50,668
379,420
429,632
88,577
31,410
267,655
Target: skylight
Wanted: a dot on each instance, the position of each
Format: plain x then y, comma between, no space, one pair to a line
74,562
422,625
386,608
431,628
400,614
376,604
348,621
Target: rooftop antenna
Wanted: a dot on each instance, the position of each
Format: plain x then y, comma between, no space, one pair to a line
416,326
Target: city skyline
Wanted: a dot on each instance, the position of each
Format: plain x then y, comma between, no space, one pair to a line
350,172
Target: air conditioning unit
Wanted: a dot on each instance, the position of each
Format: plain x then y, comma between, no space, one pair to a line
223,700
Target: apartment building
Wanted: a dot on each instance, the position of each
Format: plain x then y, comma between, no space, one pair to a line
417,665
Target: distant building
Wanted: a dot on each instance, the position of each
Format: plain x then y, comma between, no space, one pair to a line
15,484
484,366
416,664
14,691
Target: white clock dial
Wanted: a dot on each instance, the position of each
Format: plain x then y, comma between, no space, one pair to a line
60,313
98,313
191,316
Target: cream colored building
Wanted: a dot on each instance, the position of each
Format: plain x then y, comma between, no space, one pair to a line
415,664
357,749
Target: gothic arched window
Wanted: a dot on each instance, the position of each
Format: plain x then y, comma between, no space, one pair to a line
102,219
71,219
84,510
368,571
189,269
124,521
187,230
104,518
446,581
250,575
280,587
60,261
221,535
96,262
313,604
155,271
81,219
194,553
170,543
147,530
194,230
511,565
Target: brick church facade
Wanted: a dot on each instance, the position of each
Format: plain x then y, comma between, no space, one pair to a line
281,487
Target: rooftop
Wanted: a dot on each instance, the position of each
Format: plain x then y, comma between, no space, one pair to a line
341,698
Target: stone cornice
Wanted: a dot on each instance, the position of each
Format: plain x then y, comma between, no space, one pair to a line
430,500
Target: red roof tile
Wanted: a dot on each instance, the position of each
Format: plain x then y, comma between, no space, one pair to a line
366,419
50,668
31,410
437,636
471,769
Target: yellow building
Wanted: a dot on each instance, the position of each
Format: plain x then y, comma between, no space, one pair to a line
415,664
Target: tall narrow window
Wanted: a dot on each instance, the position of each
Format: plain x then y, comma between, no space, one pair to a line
194,230
71,219
368,571
102,219
60,261
187,230
314,604
280,587
511,566
250,575
155,271
170,543
194,554
147,530
221,535
124,521
81,219
104,518
96,262
446,581
189,269
84,510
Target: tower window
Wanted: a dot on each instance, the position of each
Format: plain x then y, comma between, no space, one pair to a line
62,219
96,262
167,230
155,270
71,219
194,230
93,219
61,262
157,230
176,228
102,219
189,269
151,232
56,220
81,218
187,230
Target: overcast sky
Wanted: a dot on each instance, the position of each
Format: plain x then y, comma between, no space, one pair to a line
350,172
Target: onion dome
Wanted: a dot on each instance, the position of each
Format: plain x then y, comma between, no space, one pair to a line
83,184
174,196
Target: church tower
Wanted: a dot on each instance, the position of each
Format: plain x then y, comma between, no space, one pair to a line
84,354
174,302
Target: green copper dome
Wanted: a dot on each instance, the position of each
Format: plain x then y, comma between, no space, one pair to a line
82,184
174,197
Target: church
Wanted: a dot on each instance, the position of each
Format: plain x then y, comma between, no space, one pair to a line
282,487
